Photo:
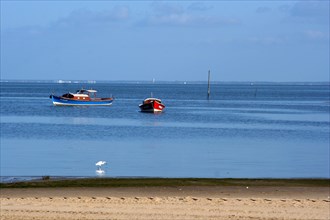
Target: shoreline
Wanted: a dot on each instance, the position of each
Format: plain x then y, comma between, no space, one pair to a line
163,199
49,181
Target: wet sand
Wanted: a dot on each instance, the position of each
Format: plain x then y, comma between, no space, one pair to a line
174,202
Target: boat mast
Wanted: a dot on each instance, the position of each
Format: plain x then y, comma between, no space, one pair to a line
208,85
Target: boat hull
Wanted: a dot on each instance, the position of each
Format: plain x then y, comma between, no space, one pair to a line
60,101
152,107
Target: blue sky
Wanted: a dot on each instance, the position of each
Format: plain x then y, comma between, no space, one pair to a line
165,40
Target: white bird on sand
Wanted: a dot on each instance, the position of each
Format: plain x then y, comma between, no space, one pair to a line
99,166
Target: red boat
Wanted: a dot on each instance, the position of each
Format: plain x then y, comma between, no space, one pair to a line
152,105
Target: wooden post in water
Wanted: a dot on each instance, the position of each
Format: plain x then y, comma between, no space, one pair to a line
208,86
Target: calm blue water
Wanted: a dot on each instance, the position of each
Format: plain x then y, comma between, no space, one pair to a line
264,130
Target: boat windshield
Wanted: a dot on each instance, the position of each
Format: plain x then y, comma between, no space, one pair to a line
149,100
85,91
81,91
67,95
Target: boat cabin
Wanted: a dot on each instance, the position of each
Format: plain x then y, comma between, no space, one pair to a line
81,94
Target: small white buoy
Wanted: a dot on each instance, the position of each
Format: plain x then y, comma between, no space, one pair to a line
247,187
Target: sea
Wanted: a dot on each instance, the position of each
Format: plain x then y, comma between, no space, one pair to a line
242,130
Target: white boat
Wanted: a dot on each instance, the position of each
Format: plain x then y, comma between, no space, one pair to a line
81,97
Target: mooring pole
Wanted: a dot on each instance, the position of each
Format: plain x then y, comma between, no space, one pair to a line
208,86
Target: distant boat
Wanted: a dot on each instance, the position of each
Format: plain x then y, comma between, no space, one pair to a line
152,105
81,97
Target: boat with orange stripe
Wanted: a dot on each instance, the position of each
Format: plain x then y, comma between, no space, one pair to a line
80,98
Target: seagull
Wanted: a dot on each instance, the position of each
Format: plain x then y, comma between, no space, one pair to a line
100,163
99,166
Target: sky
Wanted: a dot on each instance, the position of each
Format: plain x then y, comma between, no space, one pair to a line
278,41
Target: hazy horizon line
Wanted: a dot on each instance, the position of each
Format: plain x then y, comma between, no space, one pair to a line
73,81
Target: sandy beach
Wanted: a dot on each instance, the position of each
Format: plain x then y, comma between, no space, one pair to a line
175,202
